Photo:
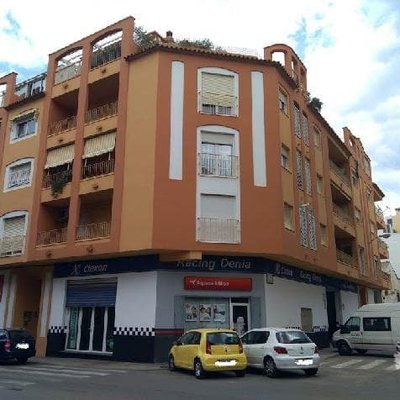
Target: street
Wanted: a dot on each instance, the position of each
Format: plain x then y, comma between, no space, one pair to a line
364,377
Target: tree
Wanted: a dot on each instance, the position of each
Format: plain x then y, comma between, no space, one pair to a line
316,103
142,38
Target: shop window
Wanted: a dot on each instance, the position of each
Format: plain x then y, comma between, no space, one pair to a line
218,91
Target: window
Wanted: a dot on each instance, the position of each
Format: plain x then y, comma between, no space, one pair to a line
320,184
218,91
353,324
317,137
303,226
377,324
256,337
307,170
324,235
297,121
372,228
299,170
23,126
217,159
354,177
18,174
288,216
12,237
285,160
218,221
283,101
306,138
311,230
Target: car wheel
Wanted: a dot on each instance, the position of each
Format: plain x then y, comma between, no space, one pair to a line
344,349
270,368
22,360
241,373
311,371
171,363
198,369
361,351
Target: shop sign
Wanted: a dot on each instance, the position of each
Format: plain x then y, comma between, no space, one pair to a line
1,286
217,283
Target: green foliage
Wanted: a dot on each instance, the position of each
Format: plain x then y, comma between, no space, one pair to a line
316,103
58,183
142,38
205,44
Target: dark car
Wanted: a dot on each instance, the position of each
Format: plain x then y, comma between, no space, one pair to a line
16,344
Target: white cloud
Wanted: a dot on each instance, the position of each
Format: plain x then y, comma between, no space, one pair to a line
349,50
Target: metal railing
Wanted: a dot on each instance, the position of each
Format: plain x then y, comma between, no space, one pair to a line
383,245
31,87
218,230
345,258
63,125
218,165
70,71
99,168
106,110
19,178
93,231
49,180
51,237
12,245
217,103
106,55
340,173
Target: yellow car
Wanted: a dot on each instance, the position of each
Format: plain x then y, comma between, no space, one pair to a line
206,350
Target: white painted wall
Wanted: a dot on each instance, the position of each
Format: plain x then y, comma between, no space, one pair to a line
349,304
136,300
370,296
58,302
285,298
3,301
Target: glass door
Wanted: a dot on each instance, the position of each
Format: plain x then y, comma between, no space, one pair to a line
240,319
90,329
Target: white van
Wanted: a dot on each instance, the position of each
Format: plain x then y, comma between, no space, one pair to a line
374,327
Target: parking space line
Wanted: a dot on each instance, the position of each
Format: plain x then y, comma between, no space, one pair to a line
57,374
372,364
64,370
14,382
347,363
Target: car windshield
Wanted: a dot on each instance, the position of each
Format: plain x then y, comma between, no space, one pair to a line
19,335
292,337
223,338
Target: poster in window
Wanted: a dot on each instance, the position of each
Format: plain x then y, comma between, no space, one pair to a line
205,312
219,312
191,312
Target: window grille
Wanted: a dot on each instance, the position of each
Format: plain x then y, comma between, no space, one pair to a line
297,121
311,230
299,170
307,169
306,138
303,226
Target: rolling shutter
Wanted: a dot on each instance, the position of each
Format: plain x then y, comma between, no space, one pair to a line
218,89
91,293
14,226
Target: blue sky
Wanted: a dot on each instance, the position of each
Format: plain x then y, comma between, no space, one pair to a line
351,49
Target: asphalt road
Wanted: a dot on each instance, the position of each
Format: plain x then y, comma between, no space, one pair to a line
367,377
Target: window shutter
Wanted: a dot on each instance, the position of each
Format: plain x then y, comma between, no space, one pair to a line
99,145
214,206
14,226
218,90
91,293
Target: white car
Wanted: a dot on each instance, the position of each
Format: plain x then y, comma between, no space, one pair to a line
280,349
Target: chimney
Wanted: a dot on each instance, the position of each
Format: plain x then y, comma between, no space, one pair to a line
169,37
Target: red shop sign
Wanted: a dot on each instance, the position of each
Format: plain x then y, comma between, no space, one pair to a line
217,283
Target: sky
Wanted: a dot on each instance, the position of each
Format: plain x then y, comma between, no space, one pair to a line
351,49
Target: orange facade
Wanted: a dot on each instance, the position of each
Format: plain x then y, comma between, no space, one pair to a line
103,155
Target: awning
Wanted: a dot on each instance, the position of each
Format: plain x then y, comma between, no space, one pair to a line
31,112
99,145
59,156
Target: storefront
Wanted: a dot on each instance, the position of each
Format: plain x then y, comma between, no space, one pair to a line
134,308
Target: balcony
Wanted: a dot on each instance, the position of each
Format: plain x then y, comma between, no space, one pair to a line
343,214
380,218
340,178
218,230
56,180
12,245
104,111
64,73
98,169
225,166
31,87
346,258
383,249
94,230
106,54
63,125
53,236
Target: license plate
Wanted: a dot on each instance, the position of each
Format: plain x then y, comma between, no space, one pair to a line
22,346
227,363
304,362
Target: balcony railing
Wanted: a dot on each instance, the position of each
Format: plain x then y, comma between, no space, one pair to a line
11,245
97,169
62,125
217,103
51,237
382,245
343,214
93,231
340,173
218,165
106,110
218,230
70,71
31,87
106,54
346,258
54,179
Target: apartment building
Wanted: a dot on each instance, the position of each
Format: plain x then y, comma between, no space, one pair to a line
143,184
